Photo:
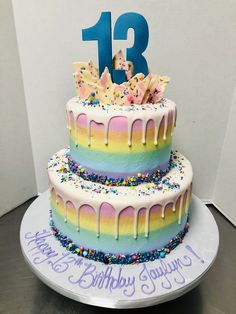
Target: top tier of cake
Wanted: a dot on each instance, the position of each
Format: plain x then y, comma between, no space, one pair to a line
120,141
119,132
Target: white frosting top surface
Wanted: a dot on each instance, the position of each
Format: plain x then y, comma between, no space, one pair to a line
78,106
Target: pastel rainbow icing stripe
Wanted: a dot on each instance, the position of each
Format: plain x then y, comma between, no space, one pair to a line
126,221
121,143
124,233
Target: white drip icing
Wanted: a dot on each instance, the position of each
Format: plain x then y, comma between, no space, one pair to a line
136,212
63,204
131,120
94,115
70,120
117,226
187,200
174,207
165,125
106,127
97,212
130,123
163,211
180,208
136,224
65,212
89,131
76,131
144,130
157,127
147,223
77,218
119,210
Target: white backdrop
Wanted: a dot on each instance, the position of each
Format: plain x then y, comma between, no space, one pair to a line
194,42
224,192
17,178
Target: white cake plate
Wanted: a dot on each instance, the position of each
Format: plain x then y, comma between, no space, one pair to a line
119,286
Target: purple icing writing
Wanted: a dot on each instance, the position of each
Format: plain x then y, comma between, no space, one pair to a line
162,272
37,237
46,253
108,279
63,263
188,247
40,246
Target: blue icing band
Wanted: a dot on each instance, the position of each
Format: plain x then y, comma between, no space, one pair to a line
117,258
120,162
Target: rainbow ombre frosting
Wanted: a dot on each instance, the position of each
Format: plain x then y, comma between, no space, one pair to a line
121,141
118,189
120,219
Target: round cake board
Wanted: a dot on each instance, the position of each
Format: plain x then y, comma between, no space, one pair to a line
119,286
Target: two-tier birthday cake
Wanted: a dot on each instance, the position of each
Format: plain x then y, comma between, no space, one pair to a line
118,193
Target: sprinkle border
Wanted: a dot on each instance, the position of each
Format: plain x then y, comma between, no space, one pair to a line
155,177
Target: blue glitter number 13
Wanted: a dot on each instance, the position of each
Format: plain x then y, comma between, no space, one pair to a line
102,33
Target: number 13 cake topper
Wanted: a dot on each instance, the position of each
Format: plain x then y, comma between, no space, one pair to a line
101,32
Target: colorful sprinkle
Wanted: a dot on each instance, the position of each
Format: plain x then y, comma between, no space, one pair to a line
141,185
156,177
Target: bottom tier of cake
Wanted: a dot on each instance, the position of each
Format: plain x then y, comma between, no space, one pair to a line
120,223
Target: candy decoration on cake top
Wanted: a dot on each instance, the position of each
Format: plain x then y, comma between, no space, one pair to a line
139,89
119,63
